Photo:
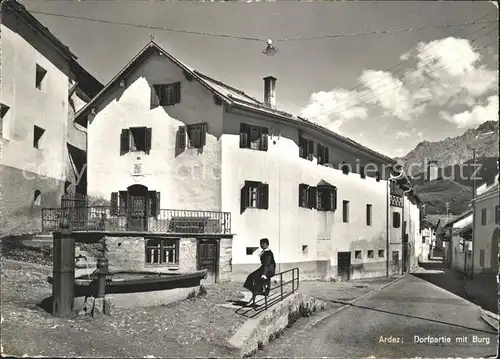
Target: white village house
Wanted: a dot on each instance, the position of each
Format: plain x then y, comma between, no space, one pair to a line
197,172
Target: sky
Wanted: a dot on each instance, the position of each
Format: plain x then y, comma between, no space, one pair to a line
388,91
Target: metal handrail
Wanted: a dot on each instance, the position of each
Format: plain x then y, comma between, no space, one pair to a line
295,278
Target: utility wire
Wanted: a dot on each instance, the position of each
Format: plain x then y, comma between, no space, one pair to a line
378,32
372,82
407,81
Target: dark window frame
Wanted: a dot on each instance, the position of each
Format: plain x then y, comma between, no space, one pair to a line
345,211
369,214
370,254
330,194
396,220
40,74
484,216
162,245
358,254
254,194
254,137
127,140
38,133
166,94
323,154
306,148
381,253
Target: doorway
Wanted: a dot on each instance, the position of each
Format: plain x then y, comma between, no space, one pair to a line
344,265
395,262
137,208
208,258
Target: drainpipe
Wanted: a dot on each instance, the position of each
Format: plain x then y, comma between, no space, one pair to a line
387,206
404,230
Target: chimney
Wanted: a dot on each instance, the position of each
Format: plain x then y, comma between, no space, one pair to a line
270,91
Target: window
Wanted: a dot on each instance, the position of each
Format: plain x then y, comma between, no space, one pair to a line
307,196
396,219
162,251
166,94
481,258
40,75
251,250
194,136
345,168
253,137
37,198
377,177
368,214
306,148
326,198
423,239
357,254
323,154
304,249
362,172
254,195
345,211
37,135
484,213
3,110
381,253
135,139
497,214
370,253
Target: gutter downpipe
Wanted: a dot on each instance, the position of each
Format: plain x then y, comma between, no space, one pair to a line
387,202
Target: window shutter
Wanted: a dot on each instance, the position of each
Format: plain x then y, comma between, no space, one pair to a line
326,155
148,140
264,142
158,203
334,204
319,153
152,203
302,191
203,134
124,141
178,92
155,96
311,147
244,199
378,177
312,197
122,202
182,137
114,203
244,135
263,196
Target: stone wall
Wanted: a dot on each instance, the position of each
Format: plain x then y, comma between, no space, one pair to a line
128,254
225,260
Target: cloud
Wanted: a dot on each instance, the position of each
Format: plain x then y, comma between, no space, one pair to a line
447,73
476,116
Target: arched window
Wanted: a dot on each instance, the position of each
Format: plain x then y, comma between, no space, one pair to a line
37,198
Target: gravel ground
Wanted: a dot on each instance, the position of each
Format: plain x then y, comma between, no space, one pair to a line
190,328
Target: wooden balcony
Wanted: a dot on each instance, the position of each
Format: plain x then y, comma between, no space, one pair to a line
102,219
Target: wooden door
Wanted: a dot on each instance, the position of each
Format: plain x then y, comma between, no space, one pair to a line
208,258
395,262
344,265
137,208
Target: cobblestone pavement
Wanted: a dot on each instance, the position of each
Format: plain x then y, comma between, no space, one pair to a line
385,323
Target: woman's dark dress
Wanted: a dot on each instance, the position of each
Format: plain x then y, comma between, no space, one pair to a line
267,268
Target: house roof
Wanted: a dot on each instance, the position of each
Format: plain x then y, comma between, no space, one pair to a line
467,213
230,95
89,84
493,189
463,230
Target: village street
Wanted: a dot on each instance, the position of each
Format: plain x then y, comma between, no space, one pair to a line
385,323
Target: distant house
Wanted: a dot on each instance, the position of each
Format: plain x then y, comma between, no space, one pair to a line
485,230
197,171
461,242
43,150
443,238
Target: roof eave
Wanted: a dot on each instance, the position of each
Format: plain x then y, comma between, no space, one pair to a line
84,110
381,157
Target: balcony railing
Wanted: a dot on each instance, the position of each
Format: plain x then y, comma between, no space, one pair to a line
100,218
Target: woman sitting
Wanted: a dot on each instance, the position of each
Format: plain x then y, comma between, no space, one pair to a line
258,282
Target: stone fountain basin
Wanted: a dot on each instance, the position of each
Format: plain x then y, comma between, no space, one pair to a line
139,288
